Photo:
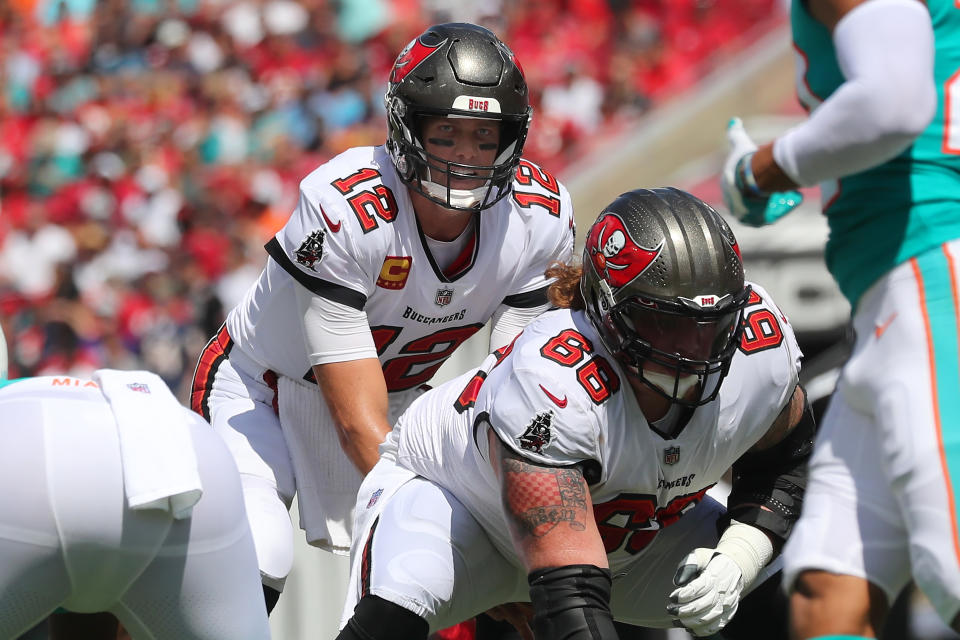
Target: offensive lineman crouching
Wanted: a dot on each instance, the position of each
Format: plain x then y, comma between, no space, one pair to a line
571,469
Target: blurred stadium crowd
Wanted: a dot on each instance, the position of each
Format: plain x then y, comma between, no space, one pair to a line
148,148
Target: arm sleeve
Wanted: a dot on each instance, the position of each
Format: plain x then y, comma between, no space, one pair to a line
572,602
768,485
508,321
334,332
885,52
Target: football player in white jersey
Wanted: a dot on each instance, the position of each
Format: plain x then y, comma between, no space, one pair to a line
571,468
94,518
394,256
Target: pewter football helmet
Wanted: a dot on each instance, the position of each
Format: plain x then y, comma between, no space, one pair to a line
456,70
663,284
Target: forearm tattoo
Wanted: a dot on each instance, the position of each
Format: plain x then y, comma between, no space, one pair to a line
538,498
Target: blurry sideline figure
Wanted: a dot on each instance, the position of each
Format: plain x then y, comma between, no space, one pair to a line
881,80
570,470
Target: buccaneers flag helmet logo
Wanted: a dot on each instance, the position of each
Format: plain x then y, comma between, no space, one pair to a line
410,58
616,256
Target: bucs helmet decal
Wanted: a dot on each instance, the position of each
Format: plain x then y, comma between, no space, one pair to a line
411,57
616,256
508,52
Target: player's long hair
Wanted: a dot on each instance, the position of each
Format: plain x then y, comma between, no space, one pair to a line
565,291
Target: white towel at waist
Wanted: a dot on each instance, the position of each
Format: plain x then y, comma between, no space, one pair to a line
159,462
327,482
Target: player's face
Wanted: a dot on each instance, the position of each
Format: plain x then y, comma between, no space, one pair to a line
466,141
687,337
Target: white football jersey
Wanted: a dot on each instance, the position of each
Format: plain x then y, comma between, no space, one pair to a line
558,397
354,238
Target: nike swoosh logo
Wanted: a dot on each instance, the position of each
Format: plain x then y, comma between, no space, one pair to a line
557,401
880,329
333,227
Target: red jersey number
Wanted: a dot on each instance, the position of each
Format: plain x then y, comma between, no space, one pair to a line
596,376
372,203
527,174
631,521
419,359
761,328
468,397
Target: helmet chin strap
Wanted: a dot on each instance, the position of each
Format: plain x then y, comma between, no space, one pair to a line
465,198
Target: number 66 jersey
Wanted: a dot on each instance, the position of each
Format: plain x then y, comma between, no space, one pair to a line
557,397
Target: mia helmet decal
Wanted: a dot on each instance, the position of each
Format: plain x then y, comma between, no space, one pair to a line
616,256
410,58
311,249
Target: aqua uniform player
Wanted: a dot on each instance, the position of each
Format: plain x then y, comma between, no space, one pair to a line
881,80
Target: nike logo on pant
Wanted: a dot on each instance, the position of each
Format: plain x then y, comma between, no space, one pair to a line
880,329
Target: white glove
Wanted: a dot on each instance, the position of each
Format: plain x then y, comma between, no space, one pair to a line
709,585
740,193
709,581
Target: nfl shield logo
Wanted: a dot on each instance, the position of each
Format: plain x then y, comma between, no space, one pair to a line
671,455
373,498
444,296
139,387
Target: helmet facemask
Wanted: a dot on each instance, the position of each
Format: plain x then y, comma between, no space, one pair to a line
430,175
663,284
674,348
456,70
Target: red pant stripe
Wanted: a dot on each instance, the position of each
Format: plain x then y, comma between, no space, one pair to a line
212,355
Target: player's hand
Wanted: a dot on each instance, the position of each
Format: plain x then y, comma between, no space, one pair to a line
708,591
747,204
519,614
